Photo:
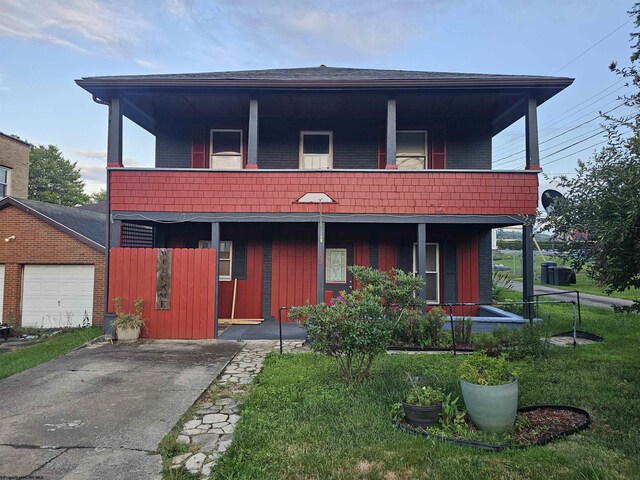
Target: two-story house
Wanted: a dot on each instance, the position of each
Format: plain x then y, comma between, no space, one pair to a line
292,175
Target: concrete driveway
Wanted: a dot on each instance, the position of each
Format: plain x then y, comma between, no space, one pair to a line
101,411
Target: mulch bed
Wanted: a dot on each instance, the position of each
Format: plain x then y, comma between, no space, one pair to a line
541,424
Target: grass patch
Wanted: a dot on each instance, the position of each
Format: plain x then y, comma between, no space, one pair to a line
300,421
46,350
169,448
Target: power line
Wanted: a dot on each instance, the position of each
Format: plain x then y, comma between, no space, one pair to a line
502,159
591,47
578,151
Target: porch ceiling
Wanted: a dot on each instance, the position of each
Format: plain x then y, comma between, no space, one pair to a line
146,108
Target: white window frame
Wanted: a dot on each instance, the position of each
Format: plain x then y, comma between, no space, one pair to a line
212,155
207,244
301,148
8,184
436,271
426,145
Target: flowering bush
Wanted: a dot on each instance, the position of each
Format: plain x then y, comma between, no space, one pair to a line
353,329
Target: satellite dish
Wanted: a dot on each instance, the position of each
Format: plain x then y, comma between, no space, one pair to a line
549,198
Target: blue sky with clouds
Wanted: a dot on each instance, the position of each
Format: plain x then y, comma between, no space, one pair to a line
46,44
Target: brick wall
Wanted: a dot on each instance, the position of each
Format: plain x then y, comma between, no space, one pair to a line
423,193
15,155
39,243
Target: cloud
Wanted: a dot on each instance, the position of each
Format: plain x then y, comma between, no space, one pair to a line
78,25
95,154
147,63
333,29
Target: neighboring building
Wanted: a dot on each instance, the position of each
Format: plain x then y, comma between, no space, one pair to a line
292,175
52,264
14,167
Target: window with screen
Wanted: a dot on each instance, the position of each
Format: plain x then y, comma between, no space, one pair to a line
4,182
411,150
316,150
226,149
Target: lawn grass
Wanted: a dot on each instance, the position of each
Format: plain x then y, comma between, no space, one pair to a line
301,422
48,349
583,284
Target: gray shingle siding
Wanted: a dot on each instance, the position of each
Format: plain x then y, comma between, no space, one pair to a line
469,144
173,145
355,142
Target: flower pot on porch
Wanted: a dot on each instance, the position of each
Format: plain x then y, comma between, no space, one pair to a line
422,416
492,408
128,335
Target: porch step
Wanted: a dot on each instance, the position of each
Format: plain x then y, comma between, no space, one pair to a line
240,321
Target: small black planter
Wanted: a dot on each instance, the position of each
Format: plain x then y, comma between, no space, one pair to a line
422,416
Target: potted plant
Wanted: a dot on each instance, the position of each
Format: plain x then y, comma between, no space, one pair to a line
128,325
490,392
423,405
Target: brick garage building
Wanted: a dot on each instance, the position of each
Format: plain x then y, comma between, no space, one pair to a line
52,264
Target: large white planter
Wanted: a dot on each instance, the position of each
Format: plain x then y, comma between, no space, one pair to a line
492,408
128,335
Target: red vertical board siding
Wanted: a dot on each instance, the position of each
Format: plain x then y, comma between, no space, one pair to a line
438,148
293,279
132,274
387,255
468,273
249,290
199,149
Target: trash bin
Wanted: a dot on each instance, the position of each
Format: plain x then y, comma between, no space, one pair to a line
563,276
544,272
551,273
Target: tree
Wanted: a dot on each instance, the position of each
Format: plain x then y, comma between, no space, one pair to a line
98,197
600,213
53,178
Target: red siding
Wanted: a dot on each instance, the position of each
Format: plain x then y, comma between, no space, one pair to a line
468,273
199,148
249,291
132,274
293,274
391,192
438,147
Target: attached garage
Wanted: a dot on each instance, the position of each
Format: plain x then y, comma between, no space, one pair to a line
56,296
53,260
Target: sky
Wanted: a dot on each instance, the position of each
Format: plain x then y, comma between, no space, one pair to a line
46,44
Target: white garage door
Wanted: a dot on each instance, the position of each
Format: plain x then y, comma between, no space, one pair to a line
1,291
57,295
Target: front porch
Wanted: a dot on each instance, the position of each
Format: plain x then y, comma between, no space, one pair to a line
263,266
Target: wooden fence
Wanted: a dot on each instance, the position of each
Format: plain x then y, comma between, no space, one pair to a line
133,273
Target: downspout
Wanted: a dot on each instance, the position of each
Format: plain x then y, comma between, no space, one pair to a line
106,321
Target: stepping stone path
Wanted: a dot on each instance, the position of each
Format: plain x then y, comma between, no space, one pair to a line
211,430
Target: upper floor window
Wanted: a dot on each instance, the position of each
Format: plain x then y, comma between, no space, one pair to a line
316,150
226,149
411,150
4,181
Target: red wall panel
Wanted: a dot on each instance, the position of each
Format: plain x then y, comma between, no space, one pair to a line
132,274
249,291
391,192
293,271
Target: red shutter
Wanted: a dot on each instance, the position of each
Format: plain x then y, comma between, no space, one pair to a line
199,148
438,148
382,150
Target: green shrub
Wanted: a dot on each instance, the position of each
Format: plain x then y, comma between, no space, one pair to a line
424,396
353,329
501,286
487,343
462,329
483,370
530,342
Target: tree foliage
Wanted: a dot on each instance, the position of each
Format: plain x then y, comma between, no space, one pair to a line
53,178
600,212
99,196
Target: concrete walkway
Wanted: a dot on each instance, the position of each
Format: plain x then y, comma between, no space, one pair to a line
100,411
267,330
585,298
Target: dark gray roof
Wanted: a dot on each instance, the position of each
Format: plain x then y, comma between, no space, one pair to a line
87,226
322,75
94,207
